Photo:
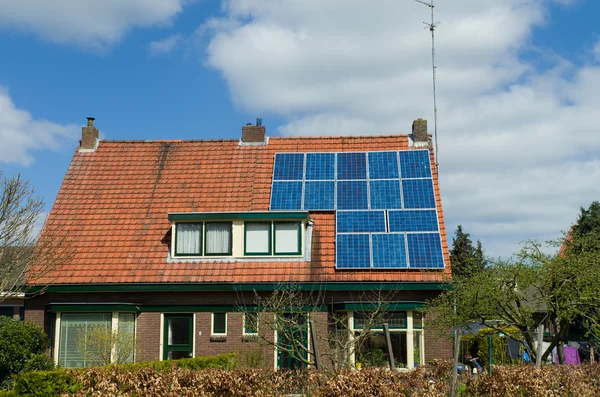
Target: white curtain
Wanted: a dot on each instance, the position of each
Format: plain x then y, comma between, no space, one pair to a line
74,328
286,238
217,238
257,238
189,238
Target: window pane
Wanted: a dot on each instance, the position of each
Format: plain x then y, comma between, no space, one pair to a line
251,322
417,319
218,238
77,345
258,238
219,323
125,345
179,331
7,311
287,238
417,348
394,320
188,238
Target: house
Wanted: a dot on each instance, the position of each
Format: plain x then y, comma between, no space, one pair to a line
173,239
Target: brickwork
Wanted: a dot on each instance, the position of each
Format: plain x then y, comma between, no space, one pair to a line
437,347
253,133
148,337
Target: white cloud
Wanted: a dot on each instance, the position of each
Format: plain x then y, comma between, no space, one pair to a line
20,134
518,147
90,23
166,45
597,51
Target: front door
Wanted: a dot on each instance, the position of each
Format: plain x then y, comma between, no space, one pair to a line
293,336
178,336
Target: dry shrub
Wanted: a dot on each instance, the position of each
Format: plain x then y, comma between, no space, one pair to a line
431,381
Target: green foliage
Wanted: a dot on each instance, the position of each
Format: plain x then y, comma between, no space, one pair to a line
589,220
22,348
465,258
46,384
499,345
224,361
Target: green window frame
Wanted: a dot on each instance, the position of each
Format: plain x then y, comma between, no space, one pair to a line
219,323
178,350
202,243
251,323
395,320
206,245
299,237
177,225
270,239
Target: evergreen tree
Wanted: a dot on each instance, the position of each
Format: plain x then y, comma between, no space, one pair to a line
465,258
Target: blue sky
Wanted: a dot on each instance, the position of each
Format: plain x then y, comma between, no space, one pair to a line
518,83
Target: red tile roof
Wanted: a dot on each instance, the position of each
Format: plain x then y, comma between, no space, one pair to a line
114,202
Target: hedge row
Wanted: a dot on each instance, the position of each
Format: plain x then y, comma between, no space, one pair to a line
430,380
59,382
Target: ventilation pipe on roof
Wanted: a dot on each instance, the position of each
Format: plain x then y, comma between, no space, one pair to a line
254,134
89,136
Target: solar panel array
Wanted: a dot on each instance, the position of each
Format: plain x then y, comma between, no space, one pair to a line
385,205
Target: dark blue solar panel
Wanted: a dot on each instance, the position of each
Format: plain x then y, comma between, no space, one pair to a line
352,251
425,251
413,221
418,193
383,165
352,195
286,196
385,194
389,251
320,166
351,166
319,195
415,164
288,167
360,221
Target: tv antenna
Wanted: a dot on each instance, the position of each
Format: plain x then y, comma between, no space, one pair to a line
432,26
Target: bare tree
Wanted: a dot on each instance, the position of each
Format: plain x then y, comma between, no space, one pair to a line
25,255
287,311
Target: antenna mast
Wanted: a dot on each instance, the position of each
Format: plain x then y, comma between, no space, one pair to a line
432,26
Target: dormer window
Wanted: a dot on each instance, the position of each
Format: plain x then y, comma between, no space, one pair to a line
203,239
238,235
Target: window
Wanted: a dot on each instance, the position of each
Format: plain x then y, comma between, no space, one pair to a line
258,238
251,323
217,239
86,339
417,319
394,320
286,239
219,323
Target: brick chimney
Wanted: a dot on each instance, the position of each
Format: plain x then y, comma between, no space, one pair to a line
89,136
254,134
419,132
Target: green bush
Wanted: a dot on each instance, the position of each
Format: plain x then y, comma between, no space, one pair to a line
22,348
224,361
45,384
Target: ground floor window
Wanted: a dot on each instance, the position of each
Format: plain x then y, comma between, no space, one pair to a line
373,351
88,339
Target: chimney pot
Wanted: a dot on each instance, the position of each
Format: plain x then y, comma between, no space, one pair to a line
89,136
419,131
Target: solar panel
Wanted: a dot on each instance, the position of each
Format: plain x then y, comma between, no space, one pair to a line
286,196
385,204
425,251
319,196
413,221
389,251
351,166
385,194
383,165
320,167
352,195
415,164
418,193
360,221
353,251
288,167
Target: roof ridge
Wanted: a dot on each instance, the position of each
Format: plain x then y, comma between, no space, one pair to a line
303,137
